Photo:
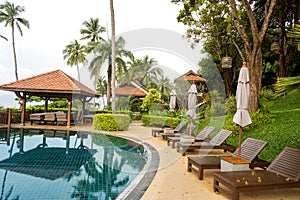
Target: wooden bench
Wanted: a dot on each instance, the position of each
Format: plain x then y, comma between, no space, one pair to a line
36,117
61,118
283,172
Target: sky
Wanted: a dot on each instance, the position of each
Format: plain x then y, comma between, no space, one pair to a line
148,27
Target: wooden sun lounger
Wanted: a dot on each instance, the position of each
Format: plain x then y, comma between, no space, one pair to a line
283,172
199,138
249,151
180,127
217,142
186,132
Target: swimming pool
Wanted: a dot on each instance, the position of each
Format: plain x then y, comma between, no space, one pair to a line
59,164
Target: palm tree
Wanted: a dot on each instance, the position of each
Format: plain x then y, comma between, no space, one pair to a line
103,53
92,30
9,14
113,54
3,37
145,72
164,86
76,54
101,87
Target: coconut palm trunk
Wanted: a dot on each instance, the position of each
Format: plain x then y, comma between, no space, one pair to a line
14,51
113,56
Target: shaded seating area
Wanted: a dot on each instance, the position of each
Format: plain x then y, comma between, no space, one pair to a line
217,142
283,172
54,84
249,151
202,135
58,118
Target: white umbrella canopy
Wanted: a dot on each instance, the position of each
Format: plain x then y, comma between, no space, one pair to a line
242,117
192,102
173,95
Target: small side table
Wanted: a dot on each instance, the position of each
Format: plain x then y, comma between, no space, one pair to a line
232,163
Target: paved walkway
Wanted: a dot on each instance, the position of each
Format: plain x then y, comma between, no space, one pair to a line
173,182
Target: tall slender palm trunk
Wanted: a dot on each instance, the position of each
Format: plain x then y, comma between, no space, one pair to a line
14,51
113,56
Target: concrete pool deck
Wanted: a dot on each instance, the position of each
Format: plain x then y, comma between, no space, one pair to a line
172,181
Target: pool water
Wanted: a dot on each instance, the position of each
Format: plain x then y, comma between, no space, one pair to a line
52,164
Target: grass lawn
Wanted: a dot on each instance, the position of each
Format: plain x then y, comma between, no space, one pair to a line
284,131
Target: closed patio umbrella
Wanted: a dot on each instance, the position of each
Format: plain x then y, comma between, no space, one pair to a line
242,117
172,104
192,102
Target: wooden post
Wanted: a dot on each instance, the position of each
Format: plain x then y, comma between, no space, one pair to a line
69,113
9,116
23,111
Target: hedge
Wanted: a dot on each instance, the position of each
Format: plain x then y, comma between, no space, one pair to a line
111,122
159,121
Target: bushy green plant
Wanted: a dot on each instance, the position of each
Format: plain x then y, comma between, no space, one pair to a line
159,121
150,100
231,105
111,122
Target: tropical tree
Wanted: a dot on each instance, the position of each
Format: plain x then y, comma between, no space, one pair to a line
242,16
9,14
113,54
3,37
92,30
101,87
102,54
289,84
146,72
75,53
164,86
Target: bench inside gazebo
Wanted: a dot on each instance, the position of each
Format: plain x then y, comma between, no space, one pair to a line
55,84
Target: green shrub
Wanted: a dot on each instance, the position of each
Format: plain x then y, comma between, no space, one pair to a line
231,105
111,122
150,100
158,121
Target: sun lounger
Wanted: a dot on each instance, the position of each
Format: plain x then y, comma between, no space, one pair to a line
185,132
178,128
283,172
249,151
202,135
217,142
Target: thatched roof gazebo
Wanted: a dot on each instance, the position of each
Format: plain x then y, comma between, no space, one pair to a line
55,84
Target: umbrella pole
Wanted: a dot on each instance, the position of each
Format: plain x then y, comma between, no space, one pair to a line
240,142
171,121
191,127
